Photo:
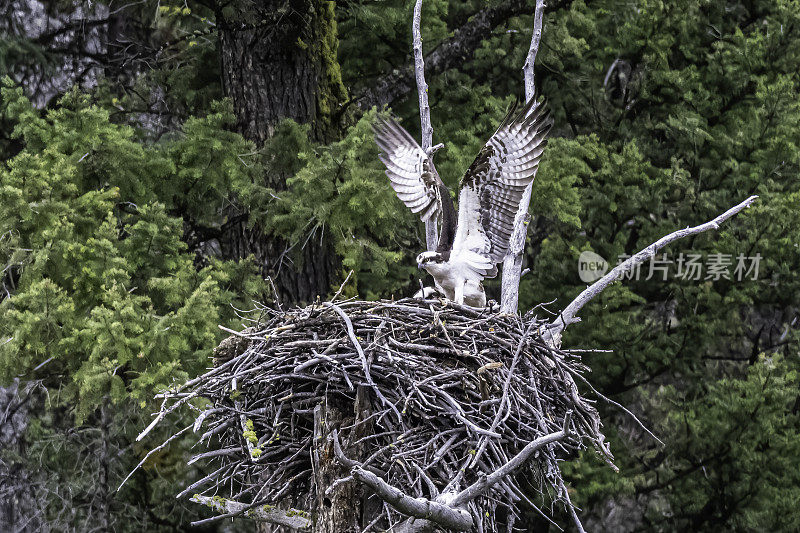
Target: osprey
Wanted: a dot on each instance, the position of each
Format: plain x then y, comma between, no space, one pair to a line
472,241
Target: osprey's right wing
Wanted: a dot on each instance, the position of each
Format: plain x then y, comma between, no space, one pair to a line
410,171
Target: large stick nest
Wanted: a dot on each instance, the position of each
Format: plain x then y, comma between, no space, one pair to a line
444,392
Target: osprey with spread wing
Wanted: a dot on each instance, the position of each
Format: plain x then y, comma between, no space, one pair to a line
474,240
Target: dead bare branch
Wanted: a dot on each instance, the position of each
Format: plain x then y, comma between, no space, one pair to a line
431,236
263,513
418,507
512,265
568,315
450,53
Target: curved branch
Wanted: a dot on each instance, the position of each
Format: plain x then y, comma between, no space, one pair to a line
433,511
429,510
513,464
568,315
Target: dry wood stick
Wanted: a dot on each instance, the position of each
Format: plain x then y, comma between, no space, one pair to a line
264,513
431,237
512,265
439,513
568,316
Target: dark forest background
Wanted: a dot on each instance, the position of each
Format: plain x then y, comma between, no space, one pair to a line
167,164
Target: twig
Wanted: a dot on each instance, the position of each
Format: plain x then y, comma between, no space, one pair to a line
151,452
341,287
275,296
233,332
504,397
622,408
573,513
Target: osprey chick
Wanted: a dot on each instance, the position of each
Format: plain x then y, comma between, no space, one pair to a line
474,240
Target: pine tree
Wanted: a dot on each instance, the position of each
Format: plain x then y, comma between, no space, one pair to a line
103,303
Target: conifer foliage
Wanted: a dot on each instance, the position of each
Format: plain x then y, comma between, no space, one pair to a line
103,303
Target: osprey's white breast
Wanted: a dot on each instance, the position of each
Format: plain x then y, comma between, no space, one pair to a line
448,276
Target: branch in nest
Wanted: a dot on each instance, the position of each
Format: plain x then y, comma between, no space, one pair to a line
263,513
450,372
553,332
440,513
515,463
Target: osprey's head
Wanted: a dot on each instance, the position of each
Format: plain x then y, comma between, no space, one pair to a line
429,258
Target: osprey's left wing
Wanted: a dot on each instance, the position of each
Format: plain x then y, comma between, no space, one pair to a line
410,171
492,187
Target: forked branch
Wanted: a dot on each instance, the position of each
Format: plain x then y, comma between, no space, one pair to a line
439,513
446,510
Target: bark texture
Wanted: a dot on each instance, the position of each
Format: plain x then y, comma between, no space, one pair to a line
341,506
278,61
300,273
19,504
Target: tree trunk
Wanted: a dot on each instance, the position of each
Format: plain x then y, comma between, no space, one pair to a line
300,274
278,61
338,508
19,503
